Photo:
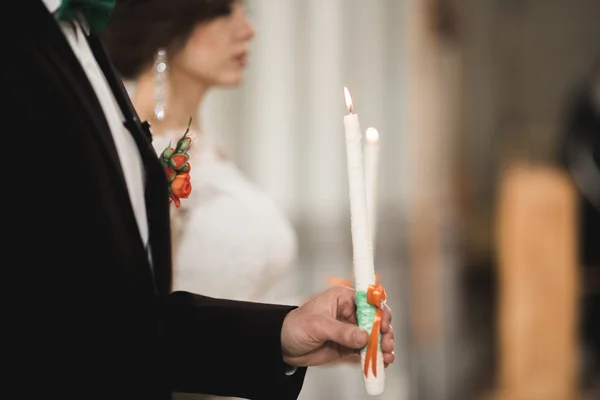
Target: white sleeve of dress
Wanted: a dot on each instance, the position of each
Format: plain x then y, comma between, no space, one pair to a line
223,251
218,253
286,289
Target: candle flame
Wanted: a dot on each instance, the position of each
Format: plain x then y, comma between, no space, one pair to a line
372,135
348,100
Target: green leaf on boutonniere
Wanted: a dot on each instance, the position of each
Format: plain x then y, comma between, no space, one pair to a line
184,144
185,168
166,154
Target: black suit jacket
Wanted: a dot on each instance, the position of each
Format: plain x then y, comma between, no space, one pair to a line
89,316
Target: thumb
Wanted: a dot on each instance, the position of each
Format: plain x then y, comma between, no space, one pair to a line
348,335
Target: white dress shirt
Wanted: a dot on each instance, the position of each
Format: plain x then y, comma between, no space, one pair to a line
127,150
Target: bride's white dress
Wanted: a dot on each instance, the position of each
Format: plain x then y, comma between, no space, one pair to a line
232,241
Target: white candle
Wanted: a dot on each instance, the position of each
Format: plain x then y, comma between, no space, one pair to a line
371,176
364,270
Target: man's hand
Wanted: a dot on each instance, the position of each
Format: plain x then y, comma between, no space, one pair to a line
324,329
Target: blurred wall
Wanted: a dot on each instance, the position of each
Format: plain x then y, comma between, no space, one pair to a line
524,59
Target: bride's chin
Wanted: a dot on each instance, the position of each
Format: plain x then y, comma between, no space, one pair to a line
233,80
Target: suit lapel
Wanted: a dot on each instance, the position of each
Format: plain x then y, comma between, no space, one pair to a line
140,133
157,204
70,67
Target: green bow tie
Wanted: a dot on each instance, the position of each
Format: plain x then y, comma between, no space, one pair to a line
96,12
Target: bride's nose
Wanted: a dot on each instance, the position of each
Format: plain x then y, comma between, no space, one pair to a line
246,30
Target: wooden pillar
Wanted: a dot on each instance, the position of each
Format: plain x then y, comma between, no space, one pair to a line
538,276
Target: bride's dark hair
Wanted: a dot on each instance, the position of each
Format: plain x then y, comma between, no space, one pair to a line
138,28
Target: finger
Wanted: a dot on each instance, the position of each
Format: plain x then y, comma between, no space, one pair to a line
387,342
386,319
347,313
345,298
389,358
346,335
344,294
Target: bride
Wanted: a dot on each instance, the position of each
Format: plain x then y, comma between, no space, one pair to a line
230,239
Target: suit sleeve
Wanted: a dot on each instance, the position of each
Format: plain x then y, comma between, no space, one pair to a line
227,348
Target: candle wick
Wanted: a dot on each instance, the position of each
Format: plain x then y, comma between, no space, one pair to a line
351,109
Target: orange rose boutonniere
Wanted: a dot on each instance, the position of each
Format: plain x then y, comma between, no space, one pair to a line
177,168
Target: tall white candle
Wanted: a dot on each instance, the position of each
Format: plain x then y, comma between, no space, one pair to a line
364,270
371,177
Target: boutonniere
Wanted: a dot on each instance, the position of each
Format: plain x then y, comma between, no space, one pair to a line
177,168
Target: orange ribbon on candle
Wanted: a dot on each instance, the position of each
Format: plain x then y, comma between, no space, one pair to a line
376,297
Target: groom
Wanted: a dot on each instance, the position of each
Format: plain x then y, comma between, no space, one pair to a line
91,315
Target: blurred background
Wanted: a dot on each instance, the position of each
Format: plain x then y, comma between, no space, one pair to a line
480,241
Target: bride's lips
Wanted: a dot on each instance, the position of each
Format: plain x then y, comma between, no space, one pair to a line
241,58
